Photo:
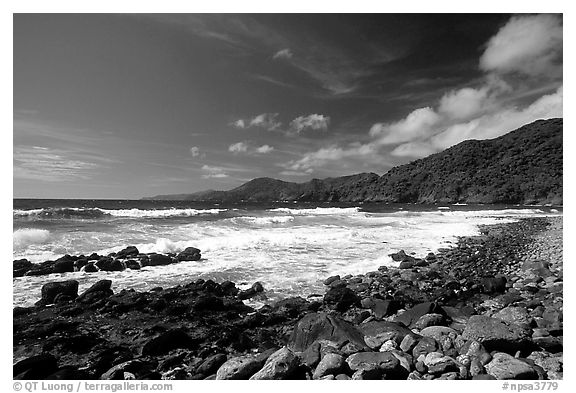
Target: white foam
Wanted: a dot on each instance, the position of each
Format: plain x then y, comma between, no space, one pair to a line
160,213
318,211
264,220
24,237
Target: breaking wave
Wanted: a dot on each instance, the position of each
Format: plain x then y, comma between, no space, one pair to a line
89,213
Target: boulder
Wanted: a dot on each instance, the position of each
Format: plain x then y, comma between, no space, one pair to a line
321,326
376,364
438,364
167,341
35,367
331,279
494,284
424,347
496,334
439,332
475,350
90,267
516,315
129,370
128,252
504,366
280,365
406,265
331,363
189,254
116,266
242,367
100,290
158,259
412,315
400,256
132,264
427,320
211,364
64,264
53,289
377,332
341,298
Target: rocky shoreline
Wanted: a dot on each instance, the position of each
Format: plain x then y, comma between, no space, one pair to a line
489,308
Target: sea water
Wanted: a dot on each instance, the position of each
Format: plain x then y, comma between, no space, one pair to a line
290,248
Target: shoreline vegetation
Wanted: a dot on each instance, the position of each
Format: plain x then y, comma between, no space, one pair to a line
491,307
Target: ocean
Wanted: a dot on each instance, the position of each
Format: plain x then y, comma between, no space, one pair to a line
289,247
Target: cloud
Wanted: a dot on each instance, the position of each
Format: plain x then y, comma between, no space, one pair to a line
240,147
246,148
530,45
264,149
195,151
239,124
213,172
311,122
46,164
487,126
267,121
283,54
313,160
417,124
464,103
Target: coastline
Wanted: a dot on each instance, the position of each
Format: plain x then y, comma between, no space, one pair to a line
470,309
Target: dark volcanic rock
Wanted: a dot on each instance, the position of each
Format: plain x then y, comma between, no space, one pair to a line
189,254
321,326
341,298
494,284
35,367
377,332
98,291
241,367
130,251
496,334
379,364
504,366
159,259
211,364
412,315
165,342
280,365
64,264
53,289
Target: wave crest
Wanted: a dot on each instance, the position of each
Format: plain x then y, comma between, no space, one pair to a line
73,212
24,237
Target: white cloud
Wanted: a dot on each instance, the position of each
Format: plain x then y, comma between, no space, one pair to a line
246,148
46,164
283,54
195,151
240,147
312,122
529,45
464,103
417,124
239,124
213,172
264,149
487,126
267,121
310,161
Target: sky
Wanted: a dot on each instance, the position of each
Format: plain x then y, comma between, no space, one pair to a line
133,105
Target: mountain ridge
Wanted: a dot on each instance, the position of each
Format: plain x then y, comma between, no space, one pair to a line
523,166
